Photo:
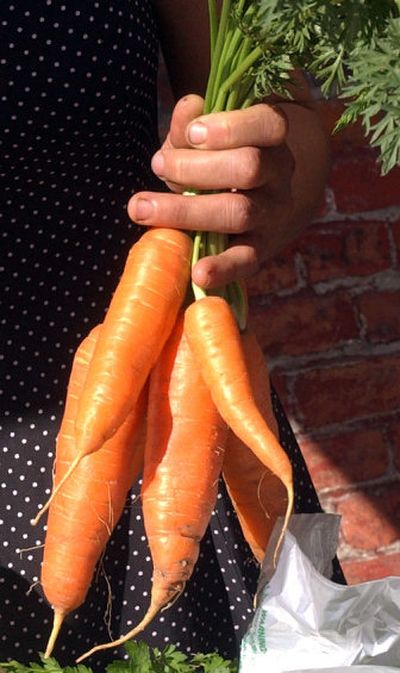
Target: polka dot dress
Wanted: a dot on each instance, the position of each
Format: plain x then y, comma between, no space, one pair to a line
79,126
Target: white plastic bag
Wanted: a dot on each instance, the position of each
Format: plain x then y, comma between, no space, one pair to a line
306,623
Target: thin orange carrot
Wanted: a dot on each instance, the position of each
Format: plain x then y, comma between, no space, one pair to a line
214,337
138,322
258,496
183,459
66,435
85,510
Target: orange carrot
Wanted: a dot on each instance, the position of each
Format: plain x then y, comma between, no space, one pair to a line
214,337
140,317
65,436
84,512
258,495
183,459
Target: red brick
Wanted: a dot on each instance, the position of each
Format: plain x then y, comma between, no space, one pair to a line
324,207
396,236
276,274
381,313
371,569
358,185
394,436
304,323
343,393
345,459
352,249
371,519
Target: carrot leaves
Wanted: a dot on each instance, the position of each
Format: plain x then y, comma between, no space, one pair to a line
140,659
351,47
373,94
49,665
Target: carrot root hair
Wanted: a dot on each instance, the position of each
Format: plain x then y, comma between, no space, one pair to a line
285,525
56,490
155,607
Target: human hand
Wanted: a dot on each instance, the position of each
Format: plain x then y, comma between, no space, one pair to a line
243,153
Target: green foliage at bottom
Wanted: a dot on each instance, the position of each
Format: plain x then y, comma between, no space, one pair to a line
140,659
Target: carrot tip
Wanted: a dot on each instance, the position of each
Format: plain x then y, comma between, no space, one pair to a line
149,616
288,514
57,623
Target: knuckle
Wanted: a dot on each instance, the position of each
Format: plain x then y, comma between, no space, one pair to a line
245,263
243,214
251,173
177,170
180,214
279,125
226,131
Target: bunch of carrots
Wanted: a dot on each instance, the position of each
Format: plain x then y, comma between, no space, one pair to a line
174,387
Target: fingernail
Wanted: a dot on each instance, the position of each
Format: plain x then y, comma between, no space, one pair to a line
197,133
143,209
158,163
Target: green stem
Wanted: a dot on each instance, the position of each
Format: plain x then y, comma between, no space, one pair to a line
219,45
213,23
198,292
232,102
235,77
241,90
223,68
243,48
250,100
248,97
236,296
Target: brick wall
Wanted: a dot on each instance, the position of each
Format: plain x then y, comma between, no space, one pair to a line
327,313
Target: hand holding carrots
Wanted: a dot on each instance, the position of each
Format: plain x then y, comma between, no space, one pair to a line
242,150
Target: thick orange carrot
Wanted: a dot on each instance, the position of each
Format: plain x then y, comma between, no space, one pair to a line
214,337
85,510
183,459
140,317
258,496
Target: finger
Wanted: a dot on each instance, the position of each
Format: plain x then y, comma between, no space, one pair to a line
249,250
235,263
272,231
187,108
259,126
240,168
237,213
